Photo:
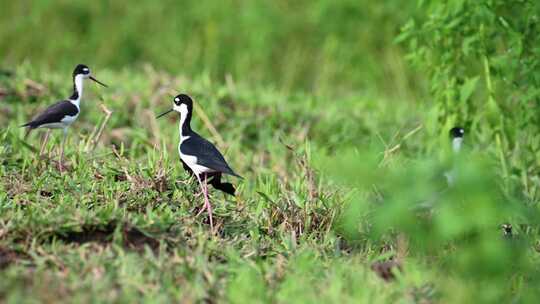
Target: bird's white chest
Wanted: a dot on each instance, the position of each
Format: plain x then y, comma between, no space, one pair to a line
191,160
68,120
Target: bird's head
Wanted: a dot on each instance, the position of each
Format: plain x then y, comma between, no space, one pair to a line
84,72
457,132
182,104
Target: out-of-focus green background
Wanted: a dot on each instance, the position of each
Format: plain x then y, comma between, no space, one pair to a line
315,46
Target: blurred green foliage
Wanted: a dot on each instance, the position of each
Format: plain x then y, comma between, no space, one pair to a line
310,45
458,226
483,58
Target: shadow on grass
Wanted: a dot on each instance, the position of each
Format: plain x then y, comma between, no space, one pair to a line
132,237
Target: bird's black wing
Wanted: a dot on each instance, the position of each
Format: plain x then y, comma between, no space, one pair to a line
207,154
52,114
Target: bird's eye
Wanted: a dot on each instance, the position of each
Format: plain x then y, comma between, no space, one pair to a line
177,100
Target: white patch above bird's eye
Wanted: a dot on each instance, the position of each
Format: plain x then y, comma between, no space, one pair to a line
461,131
85,69
177,99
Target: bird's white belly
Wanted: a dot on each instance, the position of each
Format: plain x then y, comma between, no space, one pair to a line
65,122
191,162
54,125
68,120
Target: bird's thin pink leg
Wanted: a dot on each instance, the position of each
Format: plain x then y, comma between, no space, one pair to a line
202,192
207,200
44,143
207,205
61,164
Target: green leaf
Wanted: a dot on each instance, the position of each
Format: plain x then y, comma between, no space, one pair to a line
468,88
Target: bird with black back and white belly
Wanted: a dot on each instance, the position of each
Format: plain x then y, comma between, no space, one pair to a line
63,113
200,156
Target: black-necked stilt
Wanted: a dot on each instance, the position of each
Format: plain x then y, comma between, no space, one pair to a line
456,139
62,114
199,155
456,134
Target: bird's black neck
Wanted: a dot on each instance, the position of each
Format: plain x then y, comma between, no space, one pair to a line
75,94
185,122
76,90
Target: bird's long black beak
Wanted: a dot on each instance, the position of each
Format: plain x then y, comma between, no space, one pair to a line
101,83
163,114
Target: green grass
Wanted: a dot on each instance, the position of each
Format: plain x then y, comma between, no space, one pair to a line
328,185
319,46
316,105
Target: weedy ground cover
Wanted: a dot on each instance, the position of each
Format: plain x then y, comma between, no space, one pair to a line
326,194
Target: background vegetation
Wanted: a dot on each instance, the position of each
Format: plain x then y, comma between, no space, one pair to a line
310,45
335,112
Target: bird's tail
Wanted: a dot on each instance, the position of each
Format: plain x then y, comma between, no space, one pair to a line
224,187
231,172
28,129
